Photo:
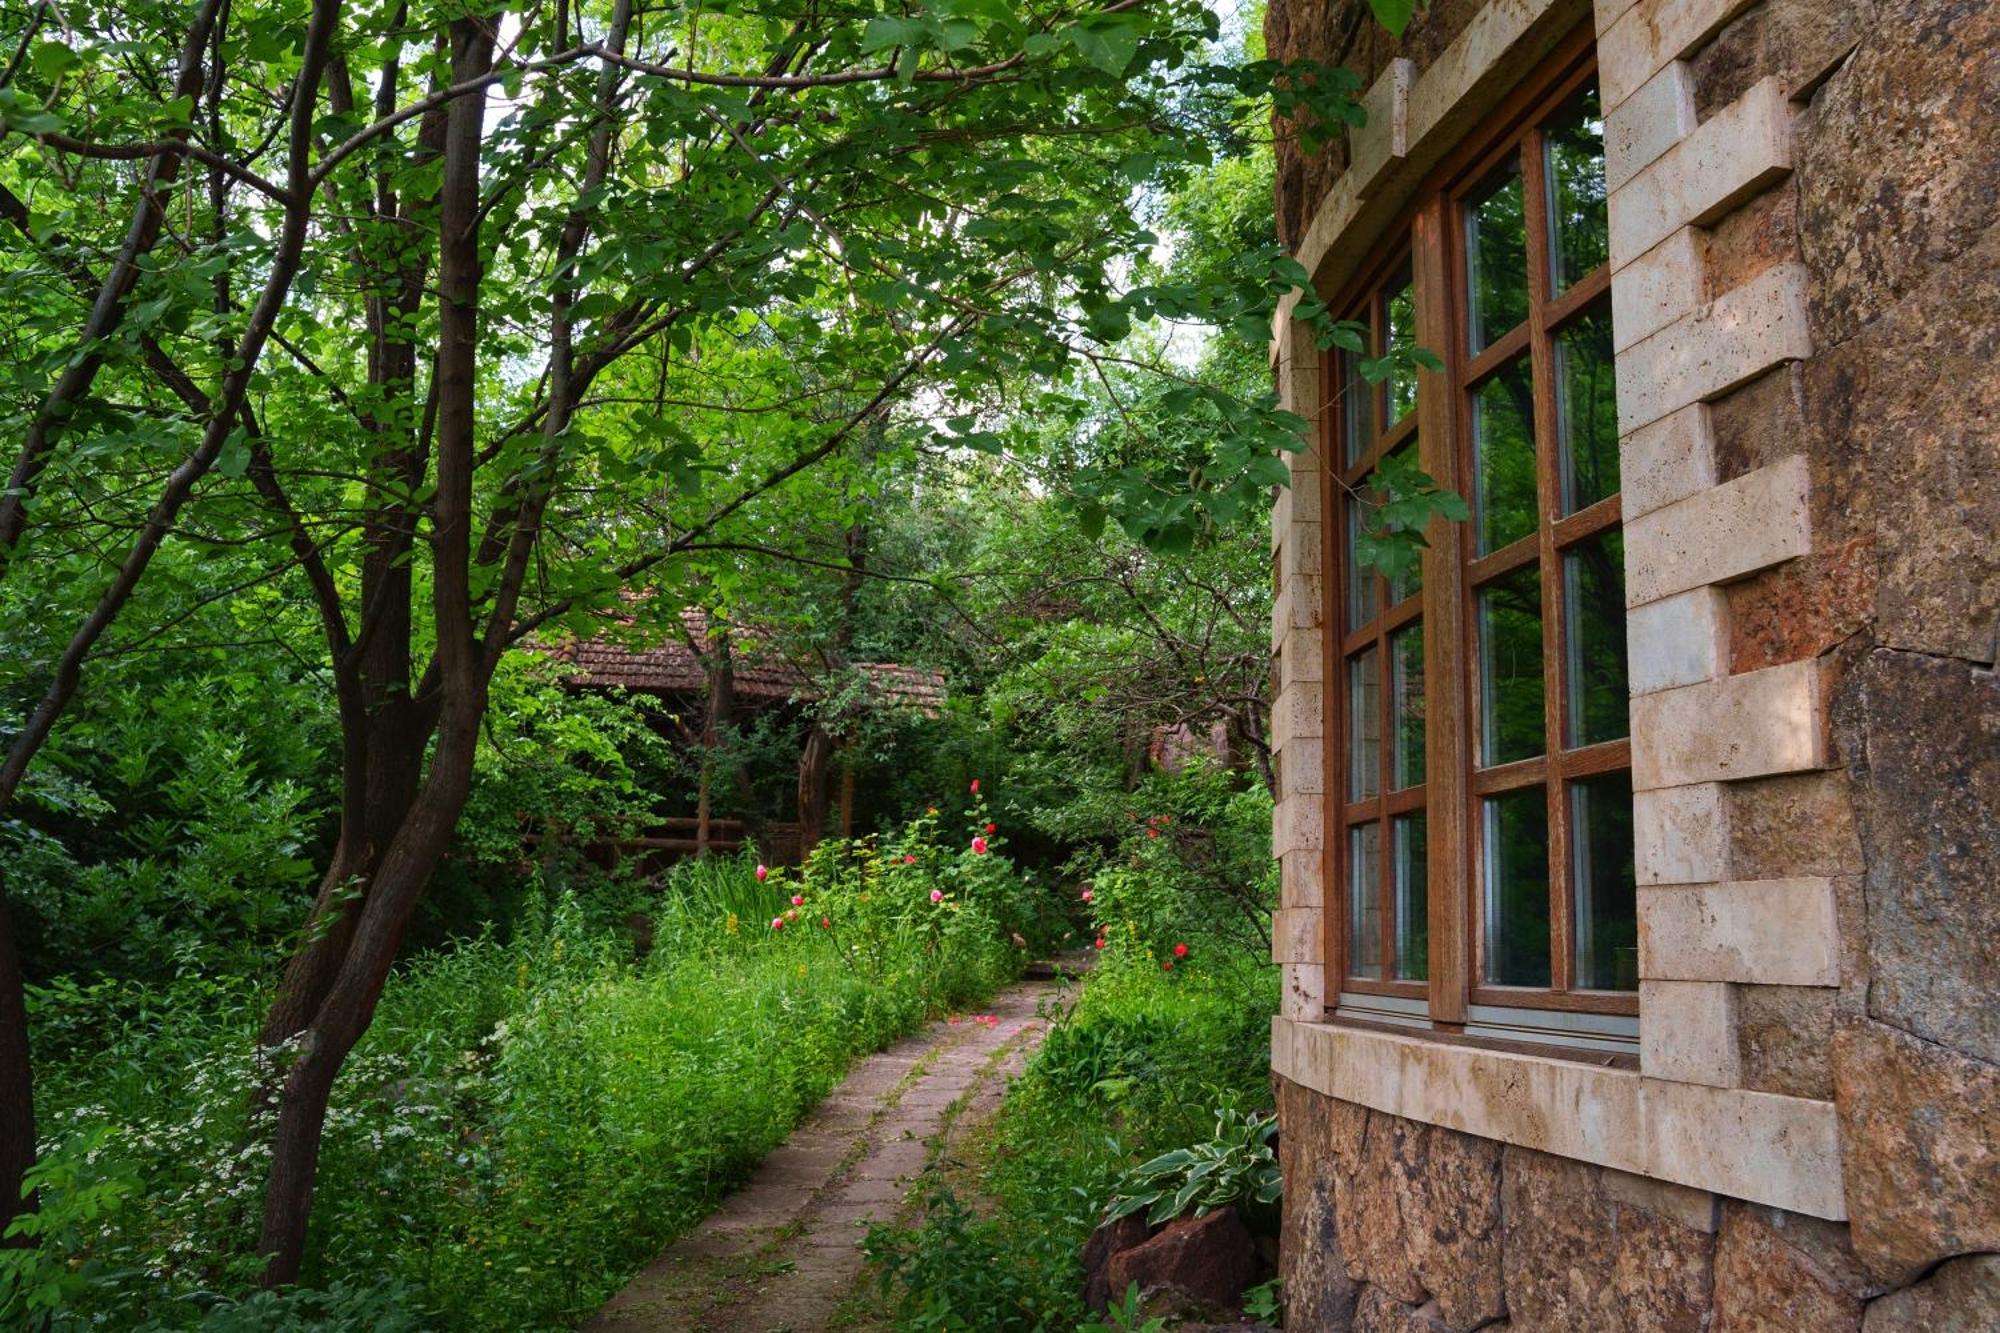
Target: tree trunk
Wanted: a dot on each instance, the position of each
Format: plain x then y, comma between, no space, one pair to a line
813,762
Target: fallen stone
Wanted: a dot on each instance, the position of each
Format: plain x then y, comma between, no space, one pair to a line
1194,1265
1110,1240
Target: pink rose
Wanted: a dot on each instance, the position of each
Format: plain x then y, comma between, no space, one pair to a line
937,895
798,900
763,873
979,846
777,923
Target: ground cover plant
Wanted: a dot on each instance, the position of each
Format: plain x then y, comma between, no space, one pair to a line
1169,1034
532,1117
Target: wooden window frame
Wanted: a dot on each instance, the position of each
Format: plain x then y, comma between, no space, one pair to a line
1430,239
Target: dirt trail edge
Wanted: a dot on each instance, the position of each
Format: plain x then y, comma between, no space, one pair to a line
780,1254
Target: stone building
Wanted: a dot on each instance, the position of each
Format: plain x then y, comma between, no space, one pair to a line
1641,909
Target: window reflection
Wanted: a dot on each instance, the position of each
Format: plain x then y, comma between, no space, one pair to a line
1406,650
1587,410
1401,321
1364,926
1496,259
1510,668
1594,628
1357,409
1413,919
1364,725
1503,447
1578,227
1515,850
1360,579
1607,909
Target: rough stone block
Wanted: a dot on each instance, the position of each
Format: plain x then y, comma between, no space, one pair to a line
1318,1292
1748,726
1295,935
1775,1271
1692,1208
1369,1216
1803,608
1797,40
1650,34
1681,834
1677,640
1794,824
1448,1196
1648,123
1963,1296
1784,1039
1735,154
1386,134
1780,932
1658,287
1687,1032
1575,1261
1920,1126
1738,528
1781,1151
1666,461
1736,337
1923,734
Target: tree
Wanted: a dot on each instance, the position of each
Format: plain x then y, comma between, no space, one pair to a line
466,320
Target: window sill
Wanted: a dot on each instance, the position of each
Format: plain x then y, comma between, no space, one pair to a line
1770,1149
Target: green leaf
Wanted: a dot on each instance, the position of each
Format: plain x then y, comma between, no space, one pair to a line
234,460
882,33
1109,45
1393,14
54,59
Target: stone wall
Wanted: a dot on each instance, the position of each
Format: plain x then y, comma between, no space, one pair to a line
1806,236
1394,1226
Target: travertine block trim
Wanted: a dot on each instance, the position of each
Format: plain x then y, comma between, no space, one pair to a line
1646,36
1666,461
1681,834
1687,1032
1648,123
1734,154
1303,659
1698,1210
1774,932
1758,520
1299,879
1295,935
1781,1151
1659,287
1296,824
1300,553
1302,992
1704,354
1386,133
1744,726
1302,766
1297,716
1678,640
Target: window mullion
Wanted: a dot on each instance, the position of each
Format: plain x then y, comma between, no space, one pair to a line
1548,489
1445,734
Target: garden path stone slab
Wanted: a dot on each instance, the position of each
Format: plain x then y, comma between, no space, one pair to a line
781,1254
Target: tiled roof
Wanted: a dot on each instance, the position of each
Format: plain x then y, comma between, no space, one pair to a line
671,667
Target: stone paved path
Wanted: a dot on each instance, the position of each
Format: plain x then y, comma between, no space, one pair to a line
780,1254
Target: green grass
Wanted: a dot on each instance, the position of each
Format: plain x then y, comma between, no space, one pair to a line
1139,1066
528,1122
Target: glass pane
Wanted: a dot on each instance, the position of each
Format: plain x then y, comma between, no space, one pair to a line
1515,827
1406,654
1607,905
1503,450
1574,142
1413,916
1364,901
1360,579
1364,725
1357,409
1510,668
1587,410
1496,258
1407,585
1402,327
1594,625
